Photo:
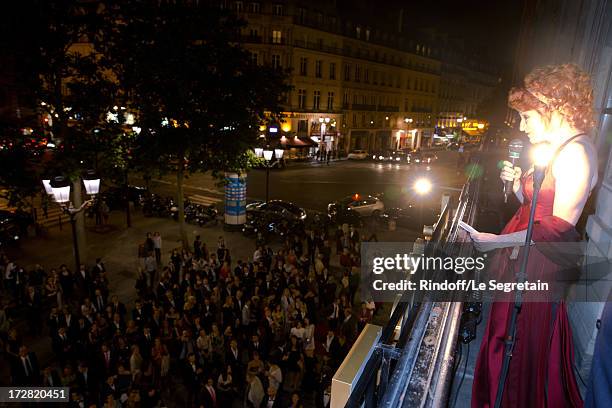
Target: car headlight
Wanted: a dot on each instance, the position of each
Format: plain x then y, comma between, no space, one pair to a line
417,161
397,159
380,157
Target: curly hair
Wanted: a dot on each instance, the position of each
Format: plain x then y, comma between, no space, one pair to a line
563,88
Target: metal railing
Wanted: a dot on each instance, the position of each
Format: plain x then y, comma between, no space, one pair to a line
424,352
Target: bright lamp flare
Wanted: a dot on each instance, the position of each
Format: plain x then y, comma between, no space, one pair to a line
47,184
422,186
61,189
541,154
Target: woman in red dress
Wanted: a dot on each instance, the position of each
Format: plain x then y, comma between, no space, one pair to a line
556,108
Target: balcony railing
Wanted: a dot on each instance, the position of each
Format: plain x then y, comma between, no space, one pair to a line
424,352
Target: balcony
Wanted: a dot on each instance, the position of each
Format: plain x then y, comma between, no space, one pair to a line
409,361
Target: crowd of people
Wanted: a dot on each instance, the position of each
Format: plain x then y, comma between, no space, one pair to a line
205,330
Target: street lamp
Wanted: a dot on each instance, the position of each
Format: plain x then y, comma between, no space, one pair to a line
59,187
259,152
267,154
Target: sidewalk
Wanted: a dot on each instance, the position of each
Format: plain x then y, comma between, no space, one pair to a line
118,247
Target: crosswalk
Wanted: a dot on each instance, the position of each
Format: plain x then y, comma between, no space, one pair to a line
204,200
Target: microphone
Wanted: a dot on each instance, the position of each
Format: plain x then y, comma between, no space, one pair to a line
515,147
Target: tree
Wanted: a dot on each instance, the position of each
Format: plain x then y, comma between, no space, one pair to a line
199,99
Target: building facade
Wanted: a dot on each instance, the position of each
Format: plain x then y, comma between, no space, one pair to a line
353,86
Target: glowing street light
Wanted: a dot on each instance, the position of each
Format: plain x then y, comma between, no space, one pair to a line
422,186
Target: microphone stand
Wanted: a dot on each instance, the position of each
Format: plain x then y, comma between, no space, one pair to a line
538,178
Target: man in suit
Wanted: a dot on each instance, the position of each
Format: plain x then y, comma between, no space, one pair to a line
106,361
25,370
208,396
139,314
257,345
192,372
62,345
50,378
271,400
349,325
86,382
331,344
109,388
83,282
99,301
118,307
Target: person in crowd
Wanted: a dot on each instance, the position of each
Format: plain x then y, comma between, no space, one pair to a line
229,331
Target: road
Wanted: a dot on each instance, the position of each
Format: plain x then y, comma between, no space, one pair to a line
314,185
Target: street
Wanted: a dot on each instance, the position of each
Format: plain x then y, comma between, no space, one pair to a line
314,185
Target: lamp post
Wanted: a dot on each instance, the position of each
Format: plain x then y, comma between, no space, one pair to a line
59,187
267,154
408,122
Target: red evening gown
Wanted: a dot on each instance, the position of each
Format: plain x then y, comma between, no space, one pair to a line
541,369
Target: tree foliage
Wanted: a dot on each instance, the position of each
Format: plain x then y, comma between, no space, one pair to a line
199,99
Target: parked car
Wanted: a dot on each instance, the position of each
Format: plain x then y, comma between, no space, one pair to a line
13,226
365,206
115,196
357,155
277,208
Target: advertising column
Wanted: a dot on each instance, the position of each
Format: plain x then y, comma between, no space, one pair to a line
235,200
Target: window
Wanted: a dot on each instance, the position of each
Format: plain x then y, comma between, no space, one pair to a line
318,68
316,100
254,7
302,125
345,99
277,9
330,101
367,35
332,70
276,61
406,104
375,78
320,18
407,83
276,37
303,66
239,6
301,15
302,99
254,57
358,32
253,33
347,72
355,119
357,73
366,76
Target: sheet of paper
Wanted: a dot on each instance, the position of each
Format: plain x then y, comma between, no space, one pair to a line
467,227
